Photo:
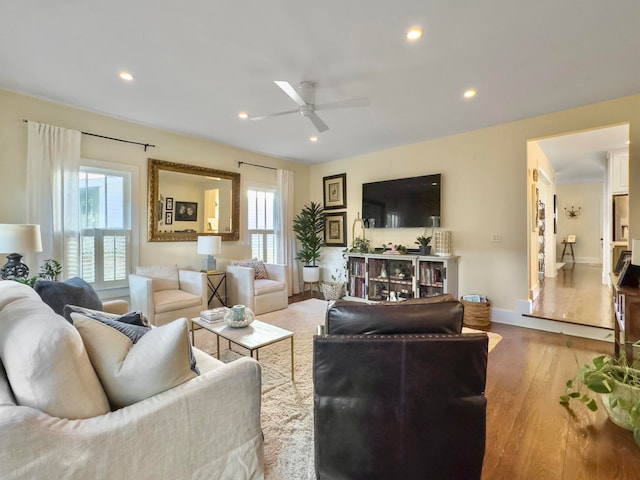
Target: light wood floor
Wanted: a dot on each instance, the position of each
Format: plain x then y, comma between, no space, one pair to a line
576,295
530,436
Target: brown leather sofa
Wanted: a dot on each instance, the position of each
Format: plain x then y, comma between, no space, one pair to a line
399,393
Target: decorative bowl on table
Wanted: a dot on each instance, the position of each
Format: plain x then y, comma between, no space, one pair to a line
232,319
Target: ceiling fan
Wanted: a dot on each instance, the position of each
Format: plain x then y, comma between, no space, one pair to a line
307,107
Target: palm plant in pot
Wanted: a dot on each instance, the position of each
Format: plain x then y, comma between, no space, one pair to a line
308,227
618,385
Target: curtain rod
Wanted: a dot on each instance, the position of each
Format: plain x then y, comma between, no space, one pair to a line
145,145
255,165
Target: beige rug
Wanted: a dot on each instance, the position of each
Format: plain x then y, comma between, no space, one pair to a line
287,408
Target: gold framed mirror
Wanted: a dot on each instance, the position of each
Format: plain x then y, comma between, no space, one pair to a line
186,201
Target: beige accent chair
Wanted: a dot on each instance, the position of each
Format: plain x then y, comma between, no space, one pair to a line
260,295
165,293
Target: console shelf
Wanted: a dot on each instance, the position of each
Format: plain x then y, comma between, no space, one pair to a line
379,277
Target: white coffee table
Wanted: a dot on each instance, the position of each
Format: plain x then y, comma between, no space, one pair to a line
255,336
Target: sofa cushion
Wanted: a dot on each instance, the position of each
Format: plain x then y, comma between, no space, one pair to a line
46,362
170,300
165,277
259,269
74,291
354,318
11,291
130,372
262,287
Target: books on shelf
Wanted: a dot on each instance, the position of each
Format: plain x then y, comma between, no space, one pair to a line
213,315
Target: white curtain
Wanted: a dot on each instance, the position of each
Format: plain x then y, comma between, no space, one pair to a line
53,164
286,240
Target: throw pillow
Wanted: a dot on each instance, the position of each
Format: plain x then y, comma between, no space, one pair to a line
46,362
133,324
74,291
257,265
130,372
132,318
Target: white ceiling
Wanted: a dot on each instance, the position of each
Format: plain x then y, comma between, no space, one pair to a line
581,157
197,63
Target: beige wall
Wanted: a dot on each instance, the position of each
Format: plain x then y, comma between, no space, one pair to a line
485,191
169,146
587,227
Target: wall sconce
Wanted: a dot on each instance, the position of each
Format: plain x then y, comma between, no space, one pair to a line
572,212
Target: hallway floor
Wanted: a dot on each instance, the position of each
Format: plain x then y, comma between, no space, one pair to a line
576,295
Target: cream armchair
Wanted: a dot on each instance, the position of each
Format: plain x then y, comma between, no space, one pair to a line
164,293
260,295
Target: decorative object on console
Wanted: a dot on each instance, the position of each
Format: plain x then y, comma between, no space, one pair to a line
335,191
209,245
239,316
18,238
572,212
443,243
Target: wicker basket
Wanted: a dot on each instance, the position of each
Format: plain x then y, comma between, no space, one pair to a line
477,314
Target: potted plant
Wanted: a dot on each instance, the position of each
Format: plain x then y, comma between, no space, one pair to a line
618,385
425,248
308,227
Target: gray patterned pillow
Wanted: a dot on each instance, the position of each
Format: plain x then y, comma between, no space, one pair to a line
257,265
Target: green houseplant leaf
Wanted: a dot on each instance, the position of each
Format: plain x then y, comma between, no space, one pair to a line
308,227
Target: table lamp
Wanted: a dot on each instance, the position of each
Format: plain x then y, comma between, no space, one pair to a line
18,238
209,245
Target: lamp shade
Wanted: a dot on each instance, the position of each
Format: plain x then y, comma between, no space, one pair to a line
20,238
209,244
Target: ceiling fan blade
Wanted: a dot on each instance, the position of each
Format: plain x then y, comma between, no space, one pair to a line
268,115
317,121
289,90
354,102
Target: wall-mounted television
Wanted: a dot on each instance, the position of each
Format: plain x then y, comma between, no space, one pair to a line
401,203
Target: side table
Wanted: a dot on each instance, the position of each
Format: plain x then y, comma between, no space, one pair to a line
217,281
311,284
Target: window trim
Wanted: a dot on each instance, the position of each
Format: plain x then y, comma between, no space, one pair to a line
130,197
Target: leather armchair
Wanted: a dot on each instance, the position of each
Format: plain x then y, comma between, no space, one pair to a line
399,393
260,295
165,293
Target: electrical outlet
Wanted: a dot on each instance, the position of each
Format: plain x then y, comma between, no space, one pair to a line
496,237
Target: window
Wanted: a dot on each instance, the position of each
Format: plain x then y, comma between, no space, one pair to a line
105,227
260,223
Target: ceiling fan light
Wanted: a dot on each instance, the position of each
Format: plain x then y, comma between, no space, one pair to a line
243,115
414,33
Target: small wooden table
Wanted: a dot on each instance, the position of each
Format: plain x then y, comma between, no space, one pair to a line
255,336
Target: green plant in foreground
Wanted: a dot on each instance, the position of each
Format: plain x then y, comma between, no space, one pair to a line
604,376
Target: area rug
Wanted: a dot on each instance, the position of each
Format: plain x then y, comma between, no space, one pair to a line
287,407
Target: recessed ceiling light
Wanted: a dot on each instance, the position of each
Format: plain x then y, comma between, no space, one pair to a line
628,142
313,138
470,93
243,115
126,76
414,33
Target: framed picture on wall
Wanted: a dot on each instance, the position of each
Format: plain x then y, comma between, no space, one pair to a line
335,191
624,255
334,234
168,218
186,212
169,204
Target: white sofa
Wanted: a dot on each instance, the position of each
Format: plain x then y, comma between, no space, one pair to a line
205,428
260,295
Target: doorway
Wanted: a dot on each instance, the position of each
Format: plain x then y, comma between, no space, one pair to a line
572,185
